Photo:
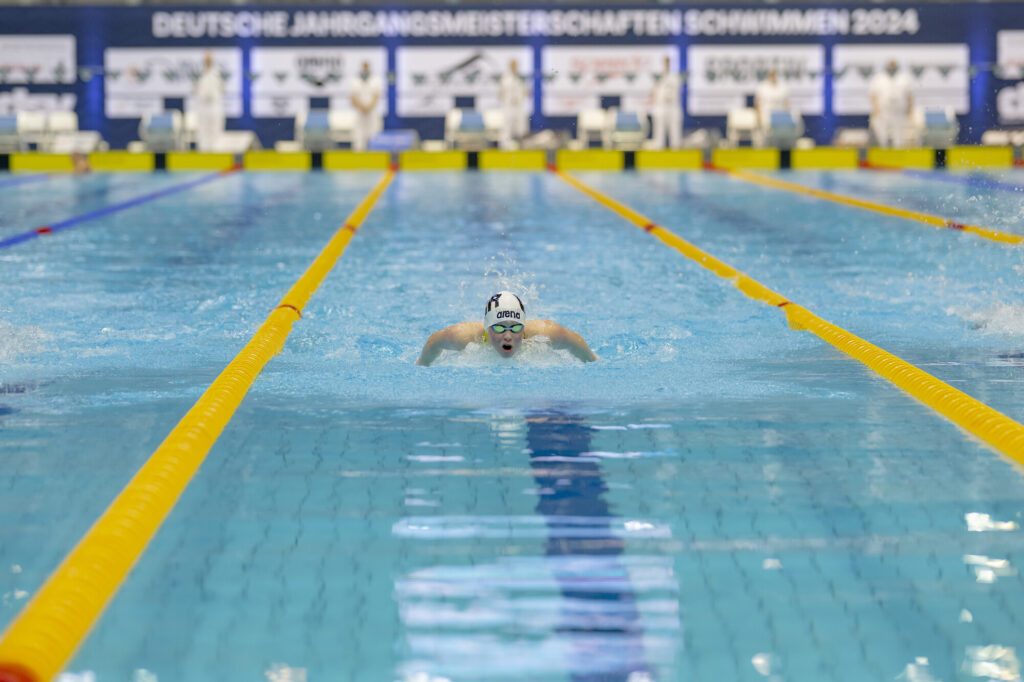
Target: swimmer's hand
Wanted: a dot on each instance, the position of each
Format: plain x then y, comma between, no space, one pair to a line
561,338
455,337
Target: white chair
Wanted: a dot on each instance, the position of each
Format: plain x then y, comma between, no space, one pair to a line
852,137
465,129
31,129
781,128
190,126
342,124
624,129
163,131
934,127
494,124
741,125
591,124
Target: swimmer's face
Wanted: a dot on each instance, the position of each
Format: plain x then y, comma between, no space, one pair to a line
506,343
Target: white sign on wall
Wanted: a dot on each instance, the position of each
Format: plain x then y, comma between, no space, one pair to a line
430,78
1010,54
938,74
37,59
722,77
284,78
137,80
577,78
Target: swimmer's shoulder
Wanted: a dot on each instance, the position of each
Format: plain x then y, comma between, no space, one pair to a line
541,328
466,331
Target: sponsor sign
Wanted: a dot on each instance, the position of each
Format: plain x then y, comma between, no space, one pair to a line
938,74
139,80
1010,54
577,78
42,59
722,77
431,78
285,78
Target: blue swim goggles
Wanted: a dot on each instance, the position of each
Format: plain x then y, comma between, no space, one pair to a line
502,328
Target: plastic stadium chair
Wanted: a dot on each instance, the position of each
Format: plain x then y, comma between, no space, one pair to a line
31,129
935,127
591,124
313,130
494,122
9,141
163,131
465,129
783,129
342,123
626,130
741,125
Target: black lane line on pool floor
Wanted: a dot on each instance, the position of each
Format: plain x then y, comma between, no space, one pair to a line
581,538
109,210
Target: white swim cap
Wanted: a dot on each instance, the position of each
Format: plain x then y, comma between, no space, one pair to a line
504,306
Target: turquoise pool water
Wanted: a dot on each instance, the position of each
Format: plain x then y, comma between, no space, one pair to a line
719,498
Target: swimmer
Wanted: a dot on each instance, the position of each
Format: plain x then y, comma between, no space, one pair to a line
504,328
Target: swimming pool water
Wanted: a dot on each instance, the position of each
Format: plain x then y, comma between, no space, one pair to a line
718,498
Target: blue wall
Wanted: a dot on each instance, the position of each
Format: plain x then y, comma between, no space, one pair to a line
97,28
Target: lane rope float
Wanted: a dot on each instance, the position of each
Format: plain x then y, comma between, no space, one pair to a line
45,635
925,218
999,431
113,208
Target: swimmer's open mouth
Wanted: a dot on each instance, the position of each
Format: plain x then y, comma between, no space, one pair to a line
506,347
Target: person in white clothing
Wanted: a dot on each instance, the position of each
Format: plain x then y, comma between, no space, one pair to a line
891,103
515,123
771,95
365,98
667,109
208,100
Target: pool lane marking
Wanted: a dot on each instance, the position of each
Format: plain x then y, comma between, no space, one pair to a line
926,218
1000,432
45,635
73,221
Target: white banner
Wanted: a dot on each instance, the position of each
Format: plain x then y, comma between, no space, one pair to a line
722,77
938,75
578,78
1010,54
430,78
37,59
138,80
284,78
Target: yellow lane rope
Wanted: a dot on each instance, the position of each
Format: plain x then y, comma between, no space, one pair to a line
926,218
41,640
994,428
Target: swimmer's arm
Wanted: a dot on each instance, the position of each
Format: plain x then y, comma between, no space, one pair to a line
561,338
455,337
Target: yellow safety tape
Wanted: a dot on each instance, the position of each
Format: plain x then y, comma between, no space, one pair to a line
991,426
926,218
41,640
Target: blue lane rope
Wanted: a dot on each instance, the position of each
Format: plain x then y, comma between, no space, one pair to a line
108,210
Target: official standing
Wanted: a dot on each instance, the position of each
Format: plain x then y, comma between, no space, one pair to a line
667,109
515,121
891,103
209,106
365,97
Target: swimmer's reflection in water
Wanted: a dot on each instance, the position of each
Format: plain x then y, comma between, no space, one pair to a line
504,328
